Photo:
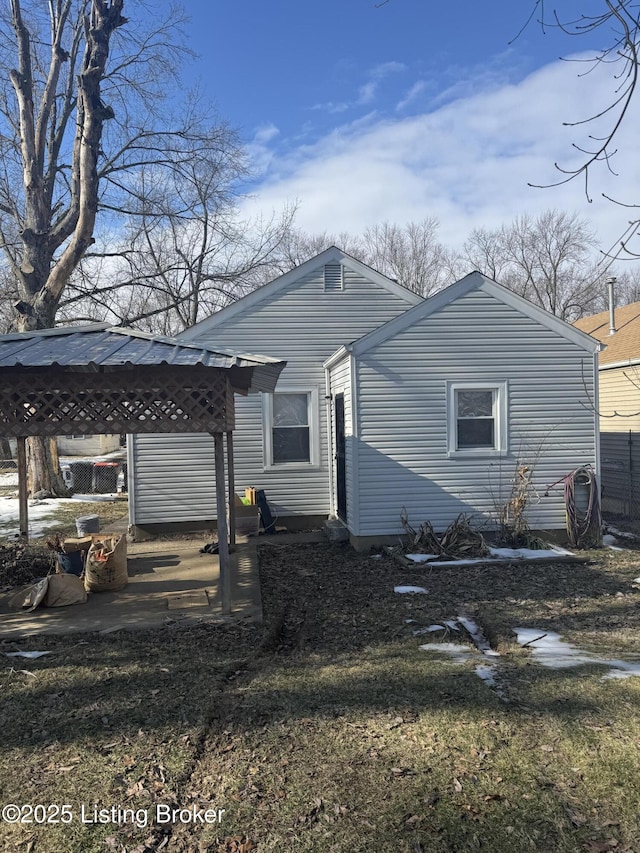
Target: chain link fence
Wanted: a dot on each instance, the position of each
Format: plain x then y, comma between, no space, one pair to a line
84,476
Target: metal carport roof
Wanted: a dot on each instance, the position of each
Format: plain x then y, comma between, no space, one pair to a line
100,378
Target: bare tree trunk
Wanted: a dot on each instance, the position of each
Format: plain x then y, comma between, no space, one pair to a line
45,225
5,449
44,468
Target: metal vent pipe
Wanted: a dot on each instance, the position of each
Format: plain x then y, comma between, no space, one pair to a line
612,305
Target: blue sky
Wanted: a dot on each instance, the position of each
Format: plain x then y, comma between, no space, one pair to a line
362,113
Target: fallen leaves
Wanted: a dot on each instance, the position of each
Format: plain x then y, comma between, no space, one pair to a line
237,844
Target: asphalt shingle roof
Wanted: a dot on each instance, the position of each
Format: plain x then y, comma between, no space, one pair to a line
624,344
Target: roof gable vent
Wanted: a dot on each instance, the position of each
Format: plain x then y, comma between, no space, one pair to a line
333,278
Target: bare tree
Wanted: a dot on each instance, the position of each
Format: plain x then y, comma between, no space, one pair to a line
411,253
299,246
48,204
49,210
548,259
83,114
617,26
187,251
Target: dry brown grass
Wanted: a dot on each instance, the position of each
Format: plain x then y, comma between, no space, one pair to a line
330,730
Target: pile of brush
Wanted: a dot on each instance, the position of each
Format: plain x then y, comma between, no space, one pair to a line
460,541
22,564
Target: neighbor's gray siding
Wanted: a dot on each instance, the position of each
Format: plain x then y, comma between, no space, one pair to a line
402,416
174,478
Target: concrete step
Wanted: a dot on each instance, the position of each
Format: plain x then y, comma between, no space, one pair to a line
335,530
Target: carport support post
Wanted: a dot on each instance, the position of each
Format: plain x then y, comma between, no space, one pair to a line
221,510
231,479
21,454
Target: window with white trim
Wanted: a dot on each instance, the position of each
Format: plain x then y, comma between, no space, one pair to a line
477,418
290,435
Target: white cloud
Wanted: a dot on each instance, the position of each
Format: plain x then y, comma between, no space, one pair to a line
376,75
366,93
467,162
332,107
260,154
414,92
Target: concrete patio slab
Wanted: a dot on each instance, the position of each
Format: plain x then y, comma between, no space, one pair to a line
170,582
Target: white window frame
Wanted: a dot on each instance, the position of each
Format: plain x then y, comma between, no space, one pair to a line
314,431
500,438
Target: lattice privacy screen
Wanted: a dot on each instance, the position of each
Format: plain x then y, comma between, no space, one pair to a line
143,399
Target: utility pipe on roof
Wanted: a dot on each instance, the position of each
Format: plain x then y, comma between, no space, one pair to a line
612,305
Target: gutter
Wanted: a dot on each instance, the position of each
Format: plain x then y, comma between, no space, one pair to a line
630,362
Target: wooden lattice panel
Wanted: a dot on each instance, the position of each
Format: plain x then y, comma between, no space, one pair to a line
140,400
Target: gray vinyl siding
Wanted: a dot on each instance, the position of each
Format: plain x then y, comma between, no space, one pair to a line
402,416
302,324
174,478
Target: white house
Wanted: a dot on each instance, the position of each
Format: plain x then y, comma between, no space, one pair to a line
387,401
88,445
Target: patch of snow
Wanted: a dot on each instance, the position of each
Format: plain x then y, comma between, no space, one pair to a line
410,589
479,639
530,553
421,558
430,629
550,650
610,541
624,669
457,653
487,673
451,623
29,655
9,479
41,513
494,554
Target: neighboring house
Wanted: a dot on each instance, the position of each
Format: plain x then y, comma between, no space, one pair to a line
87,445
387,401
82,445
619,405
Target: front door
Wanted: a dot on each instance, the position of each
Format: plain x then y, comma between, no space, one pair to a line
341,473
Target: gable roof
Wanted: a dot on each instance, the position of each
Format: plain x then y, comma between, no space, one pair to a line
623,346
471,282
100,346
267,291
